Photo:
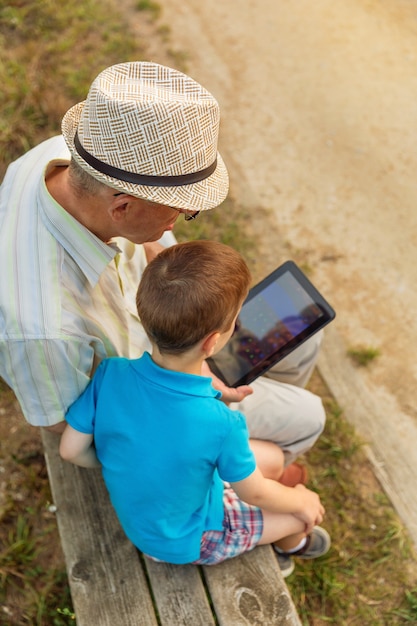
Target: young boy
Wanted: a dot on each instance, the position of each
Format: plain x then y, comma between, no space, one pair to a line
185,481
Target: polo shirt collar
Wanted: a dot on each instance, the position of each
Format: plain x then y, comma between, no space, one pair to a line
188,384
88,251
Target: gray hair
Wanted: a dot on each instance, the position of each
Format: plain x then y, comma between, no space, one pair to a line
83,183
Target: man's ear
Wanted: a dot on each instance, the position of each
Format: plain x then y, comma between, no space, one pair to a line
119,207
209,343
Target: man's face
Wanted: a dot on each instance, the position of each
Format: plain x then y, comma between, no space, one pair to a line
146,221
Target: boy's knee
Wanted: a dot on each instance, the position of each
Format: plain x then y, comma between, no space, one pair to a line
269,458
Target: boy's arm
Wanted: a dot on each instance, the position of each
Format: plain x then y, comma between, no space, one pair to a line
78,448
276,498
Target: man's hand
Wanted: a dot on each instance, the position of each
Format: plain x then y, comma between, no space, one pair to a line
229,394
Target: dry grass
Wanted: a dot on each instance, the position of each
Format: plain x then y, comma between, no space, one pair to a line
50,53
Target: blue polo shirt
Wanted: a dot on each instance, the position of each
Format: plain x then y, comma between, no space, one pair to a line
166,443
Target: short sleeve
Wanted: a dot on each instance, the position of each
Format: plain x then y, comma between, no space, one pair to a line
236,460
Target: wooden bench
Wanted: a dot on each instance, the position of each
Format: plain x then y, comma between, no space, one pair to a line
112,584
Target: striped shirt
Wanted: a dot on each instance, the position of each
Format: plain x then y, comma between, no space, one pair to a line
67,299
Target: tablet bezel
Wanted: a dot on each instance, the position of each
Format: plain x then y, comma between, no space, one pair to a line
328,314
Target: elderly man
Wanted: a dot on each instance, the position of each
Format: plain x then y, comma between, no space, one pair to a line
80,216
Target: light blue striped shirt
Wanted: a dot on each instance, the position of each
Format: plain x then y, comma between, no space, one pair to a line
65,303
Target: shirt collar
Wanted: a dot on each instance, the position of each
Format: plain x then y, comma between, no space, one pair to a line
190,384
90,253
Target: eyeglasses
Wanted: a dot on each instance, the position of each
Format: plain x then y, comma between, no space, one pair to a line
191,216
188,215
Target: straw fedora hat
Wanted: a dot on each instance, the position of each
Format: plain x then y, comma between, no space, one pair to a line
150,131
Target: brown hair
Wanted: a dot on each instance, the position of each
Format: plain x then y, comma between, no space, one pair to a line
190,290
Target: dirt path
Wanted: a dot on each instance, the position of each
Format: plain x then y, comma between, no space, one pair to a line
319,126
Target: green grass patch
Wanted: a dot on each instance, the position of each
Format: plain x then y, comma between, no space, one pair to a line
153,8
363,355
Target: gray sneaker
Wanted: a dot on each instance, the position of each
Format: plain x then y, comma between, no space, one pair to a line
285,562
318,543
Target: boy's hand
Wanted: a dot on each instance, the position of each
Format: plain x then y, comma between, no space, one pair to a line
229,394
312,511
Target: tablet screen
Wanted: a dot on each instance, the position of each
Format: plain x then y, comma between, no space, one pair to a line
279,314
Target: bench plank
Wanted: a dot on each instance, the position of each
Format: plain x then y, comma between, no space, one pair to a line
250,591
179,593
108,583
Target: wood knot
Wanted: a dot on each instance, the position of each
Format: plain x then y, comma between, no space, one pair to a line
81,571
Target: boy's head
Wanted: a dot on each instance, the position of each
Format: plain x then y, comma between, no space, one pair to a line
189,291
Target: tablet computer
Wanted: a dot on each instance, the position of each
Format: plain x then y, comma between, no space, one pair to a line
279,314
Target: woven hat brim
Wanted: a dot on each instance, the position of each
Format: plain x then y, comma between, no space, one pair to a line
200,196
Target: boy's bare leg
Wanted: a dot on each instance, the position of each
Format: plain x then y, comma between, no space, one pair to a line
283,529
269,458
271,461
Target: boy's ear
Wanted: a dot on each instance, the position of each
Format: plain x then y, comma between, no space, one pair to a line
209,343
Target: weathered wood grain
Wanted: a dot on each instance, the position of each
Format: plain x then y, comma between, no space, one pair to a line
250,591
179,594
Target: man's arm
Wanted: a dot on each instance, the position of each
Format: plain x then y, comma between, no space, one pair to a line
78,448
56,428
36,368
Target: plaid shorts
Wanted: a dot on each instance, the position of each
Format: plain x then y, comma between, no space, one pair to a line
242,530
